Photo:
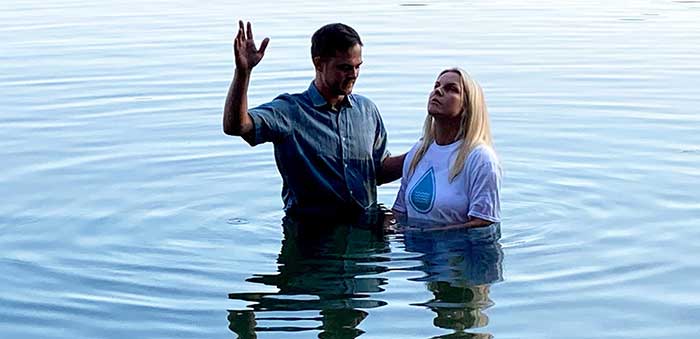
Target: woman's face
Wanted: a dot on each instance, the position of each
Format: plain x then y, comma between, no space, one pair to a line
446,99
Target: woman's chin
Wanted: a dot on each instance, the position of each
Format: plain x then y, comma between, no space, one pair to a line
433,110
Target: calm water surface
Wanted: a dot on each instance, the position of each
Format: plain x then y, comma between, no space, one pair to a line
127,213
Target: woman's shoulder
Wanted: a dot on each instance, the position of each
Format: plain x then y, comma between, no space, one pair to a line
414,148
412,153
481,155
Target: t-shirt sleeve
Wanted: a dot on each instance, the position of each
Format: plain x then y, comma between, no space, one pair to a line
271,121
400,202
484,192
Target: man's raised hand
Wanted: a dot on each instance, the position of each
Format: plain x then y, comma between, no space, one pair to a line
246,54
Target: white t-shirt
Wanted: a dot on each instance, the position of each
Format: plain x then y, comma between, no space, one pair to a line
428,194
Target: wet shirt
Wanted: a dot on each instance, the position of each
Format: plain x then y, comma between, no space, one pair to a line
329,159
427,193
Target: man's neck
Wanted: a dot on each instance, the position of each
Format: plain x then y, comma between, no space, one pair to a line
333,100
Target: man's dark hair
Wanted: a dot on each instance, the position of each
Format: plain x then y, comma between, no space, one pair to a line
333,38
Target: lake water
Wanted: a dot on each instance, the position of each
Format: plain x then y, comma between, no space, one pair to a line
126,212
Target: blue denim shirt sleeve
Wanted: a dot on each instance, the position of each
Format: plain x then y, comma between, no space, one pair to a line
379,150
270,120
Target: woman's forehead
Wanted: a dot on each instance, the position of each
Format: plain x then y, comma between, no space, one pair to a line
449,77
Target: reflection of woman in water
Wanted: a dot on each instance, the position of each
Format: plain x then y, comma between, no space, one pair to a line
459,265
452,176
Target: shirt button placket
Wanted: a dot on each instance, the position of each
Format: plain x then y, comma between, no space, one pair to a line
344,145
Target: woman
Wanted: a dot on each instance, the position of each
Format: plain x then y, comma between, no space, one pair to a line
452,175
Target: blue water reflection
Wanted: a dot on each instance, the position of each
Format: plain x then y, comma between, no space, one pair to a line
459,265
323,267
329,278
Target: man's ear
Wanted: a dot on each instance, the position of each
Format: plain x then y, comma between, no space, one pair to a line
317,63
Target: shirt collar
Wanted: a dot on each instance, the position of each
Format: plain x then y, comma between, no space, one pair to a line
318,100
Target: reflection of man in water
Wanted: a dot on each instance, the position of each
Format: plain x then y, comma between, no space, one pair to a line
321,268
330,144
459,267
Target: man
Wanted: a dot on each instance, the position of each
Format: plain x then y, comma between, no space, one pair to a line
330,145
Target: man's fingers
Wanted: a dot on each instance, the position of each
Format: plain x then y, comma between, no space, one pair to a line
238,35
249,35
263,45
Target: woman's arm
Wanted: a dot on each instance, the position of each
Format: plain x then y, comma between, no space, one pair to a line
472,223
484,189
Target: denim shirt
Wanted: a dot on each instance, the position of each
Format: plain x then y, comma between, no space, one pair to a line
329,159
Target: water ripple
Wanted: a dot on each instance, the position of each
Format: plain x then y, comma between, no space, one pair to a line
127,212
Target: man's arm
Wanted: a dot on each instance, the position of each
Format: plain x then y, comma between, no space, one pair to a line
392,167
236,119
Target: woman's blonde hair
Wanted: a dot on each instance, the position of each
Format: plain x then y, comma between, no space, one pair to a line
474,129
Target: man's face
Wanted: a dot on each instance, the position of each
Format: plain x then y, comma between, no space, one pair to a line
338,73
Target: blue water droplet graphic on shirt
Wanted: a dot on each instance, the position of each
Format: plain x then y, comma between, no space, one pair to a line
422,195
